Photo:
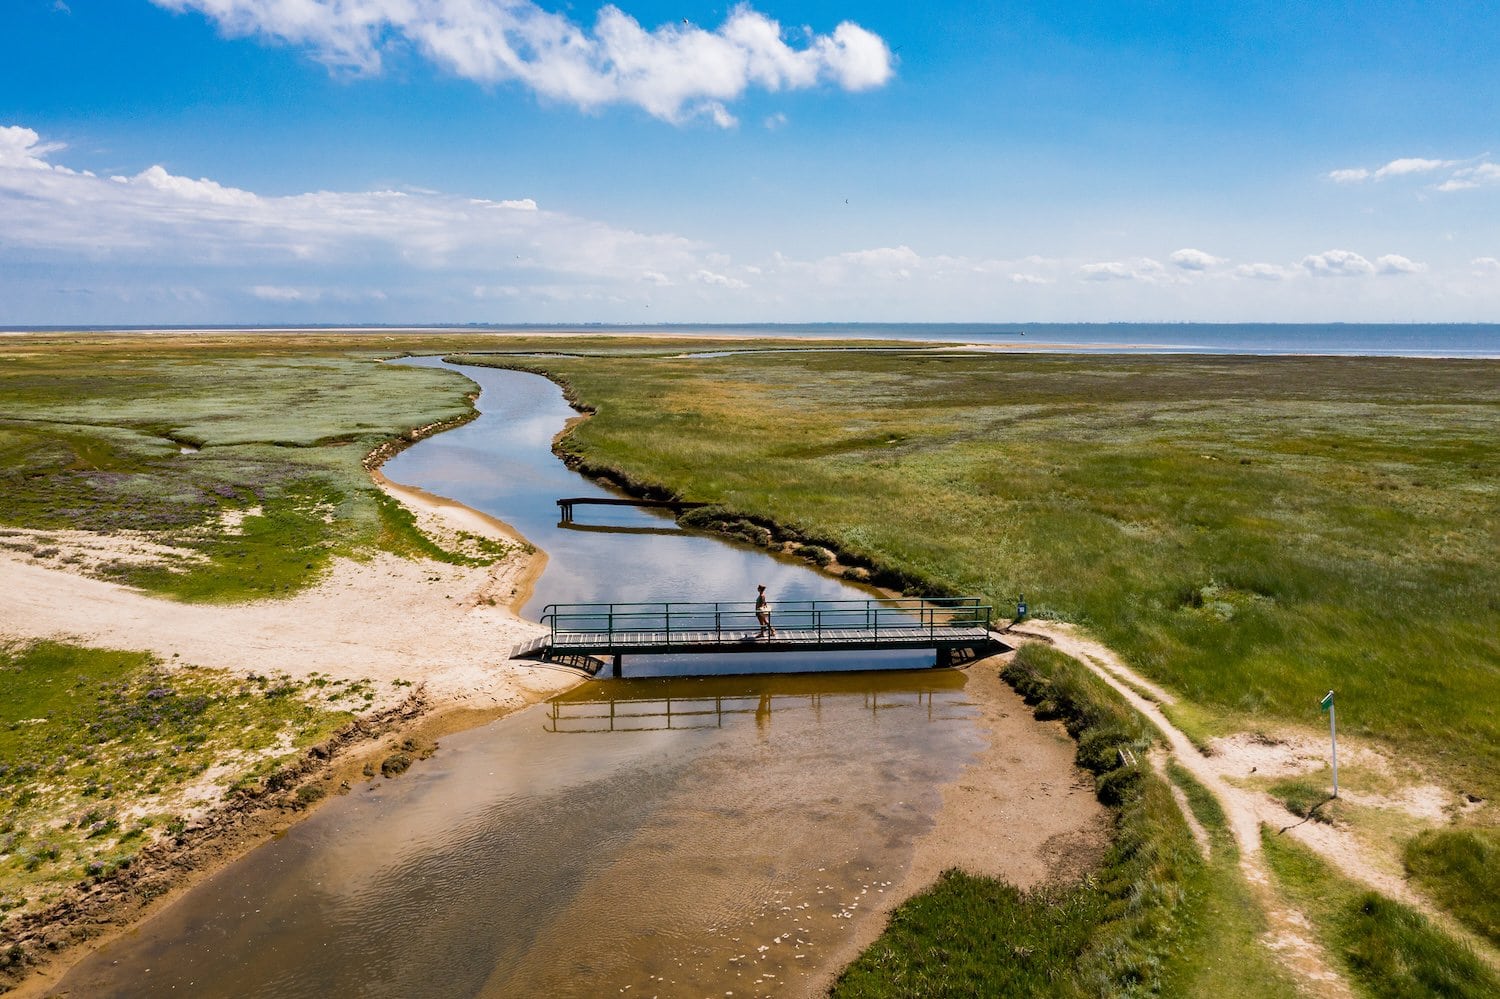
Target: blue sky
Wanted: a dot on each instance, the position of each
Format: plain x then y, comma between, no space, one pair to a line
347,161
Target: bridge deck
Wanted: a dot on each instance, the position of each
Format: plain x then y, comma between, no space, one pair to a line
785,640
945,624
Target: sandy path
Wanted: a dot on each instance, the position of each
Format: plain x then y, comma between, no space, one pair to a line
1247,810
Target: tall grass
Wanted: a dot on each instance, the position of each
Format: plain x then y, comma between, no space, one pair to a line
1461,869
1250,531
1156,919
1389,950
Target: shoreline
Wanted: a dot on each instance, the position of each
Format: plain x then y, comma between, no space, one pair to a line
985,795
985,798
465,690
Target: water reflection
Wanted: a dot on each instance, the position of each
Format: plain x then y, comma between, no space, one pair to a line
502,463
720,701
670,860
733,852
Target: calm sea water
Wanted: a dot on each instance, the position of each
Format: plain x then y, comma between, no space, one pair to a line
1346,339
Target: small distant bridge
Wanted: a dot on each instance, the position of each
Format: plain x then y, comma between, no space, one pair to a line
949,625
565,506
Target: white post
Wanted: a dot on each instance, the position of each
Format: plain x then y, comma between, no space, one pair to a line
1333,735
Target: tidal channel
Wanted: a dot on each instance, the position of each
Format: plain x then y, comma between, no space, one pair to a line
660,835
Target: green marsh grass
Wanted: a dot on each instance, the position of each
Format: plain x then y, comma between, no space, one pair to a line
1156,919
97,747
98,437
1249,531
1460,868
1388,950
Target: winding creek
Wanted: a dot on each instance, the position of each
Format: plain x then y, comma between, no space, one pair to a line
660,835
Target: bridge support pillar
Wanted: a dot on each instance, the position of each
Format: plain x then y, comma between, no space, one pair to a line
616,670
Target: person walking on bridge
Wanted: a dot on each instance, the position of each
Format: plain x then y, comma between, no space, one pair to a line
763,613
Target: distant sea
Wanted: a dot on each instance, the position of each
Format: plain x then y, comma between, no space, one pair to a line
1349,339
1345,339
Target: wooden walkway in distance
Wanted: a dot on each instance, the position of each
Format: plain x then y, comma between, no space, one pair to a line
946,625
565,506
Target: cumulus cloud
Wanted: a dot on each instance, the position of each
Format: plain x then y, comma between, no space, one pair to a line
1337,263
127,248
1393,263
174,220
676,72
23,149
1461,177
1189,259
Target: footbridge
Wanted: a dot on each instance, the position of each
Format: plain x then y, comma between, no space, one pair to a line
952,626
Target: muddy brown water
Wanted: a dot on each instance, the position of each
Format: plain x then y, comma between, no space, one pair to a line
660,835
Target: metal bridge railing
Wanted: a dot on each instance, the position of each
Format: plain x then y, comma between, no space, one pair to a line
805,620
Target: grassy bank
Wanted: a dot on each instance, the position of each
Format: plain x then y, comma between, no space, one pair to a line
1250,531
102,751
1157,919
1388,950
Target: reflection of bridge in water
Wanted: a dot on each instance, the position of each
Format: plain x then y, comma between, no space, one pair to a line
713,702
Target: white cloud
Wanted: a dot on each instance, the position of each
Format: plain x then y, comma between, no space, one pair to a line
154,246
170,219
194,190
1393,263
676,72
276,293
705,276
22,148
1140,269
775,121
1264,272
516,205
1350,176
1337,263
1411,165
1189,259
1480,175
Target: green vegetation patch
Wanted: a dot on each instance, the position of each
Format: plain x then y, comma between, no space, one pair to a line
1249,531
1460,868
1156,919
1307,798
97,747
1389,950
244,456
